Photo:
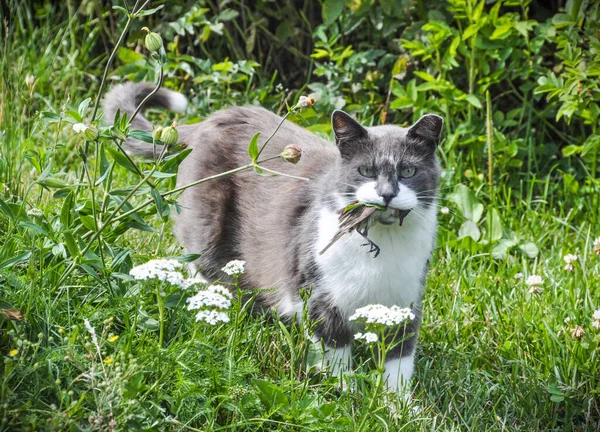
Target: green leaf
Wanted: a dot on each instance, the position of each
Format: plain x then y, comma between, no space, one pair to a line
530,249
34,227
332,9
493,225
66,212
88,222
128,56
563,20
49,117
270,395
501,249
469,229
149,11
71,244
572,149
142,136
121,159
171,162
187,258
472,99
6,209
162,209
83,106
20,259
253,147
502,31
424,76
467,202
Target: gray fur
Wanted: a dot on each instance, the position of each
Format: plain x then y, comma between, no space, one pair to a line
270,222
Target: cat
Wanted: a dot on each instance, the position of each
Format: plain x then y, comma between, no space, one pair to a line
279,225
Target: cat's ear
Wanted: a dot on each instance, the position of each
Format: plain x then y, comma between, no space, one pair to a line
427,130
345,127
348,132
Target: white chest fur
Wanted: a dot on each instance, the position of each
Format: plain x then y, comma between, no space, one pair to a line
353,278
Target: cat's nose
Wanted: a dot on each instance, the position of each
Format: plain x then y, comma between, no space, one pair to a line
387,197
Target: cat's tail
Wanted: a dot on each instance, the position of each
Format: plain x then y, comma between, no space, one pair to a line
126,97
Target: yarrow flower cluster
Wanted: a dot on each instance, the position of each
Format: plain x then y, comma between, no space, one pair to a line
570,260
534,282
368,337
444,210
234,268
212,317
597,246
215,296
596,316
380,314
208,298
34,212
196,280
166,270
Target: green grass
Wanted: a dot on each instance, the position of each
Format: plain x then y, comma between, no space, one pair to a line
492,356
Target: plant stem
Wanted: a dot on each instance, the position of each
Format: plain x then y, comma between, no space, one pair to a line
161,316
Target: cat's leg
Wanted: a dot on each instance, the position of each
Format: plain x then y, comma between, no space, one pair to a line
337,360
398,372
335,334
400,360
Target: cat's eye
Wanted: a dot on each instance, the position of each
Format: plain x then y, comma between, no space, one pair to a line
366,171
407,172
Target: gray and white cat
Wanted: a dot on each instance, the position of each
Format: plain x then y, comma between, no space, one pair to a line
279,225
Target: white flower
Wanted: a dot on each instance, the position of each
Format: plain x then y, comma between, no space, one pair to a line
444,210
305,101
596,325
536,290
597,315
29,80
368,337
380,314
220,289
162,269
534,280
208,298
35,212
196,280
79,127
570,258
212,317
234,268
519,275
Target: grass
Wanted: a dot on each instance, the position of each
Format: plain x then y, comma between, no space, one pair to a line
492,356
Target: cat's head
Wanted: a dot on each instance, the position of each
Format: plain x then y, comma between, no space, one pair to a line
388,165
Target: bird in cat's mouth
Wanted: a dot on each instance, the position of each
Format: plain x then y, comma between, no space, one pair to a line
389,216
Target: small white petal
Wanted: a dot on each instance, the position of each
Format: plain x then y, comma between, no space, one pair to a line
79,127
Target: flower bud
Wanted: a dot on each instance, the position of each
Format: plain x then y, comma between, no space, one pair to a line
169,135
292,154
29,81
157,133
153,40
91,133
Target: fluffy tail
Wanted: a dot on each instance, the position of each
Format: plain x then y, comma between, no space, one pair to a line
128,96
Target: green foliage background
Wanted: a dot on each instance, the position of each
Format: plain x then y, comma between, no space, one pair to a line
517,83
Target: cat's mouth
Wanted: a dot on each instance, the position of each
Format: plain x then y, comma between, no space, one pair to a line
391,216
